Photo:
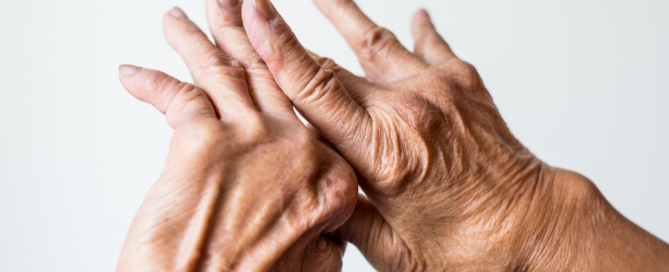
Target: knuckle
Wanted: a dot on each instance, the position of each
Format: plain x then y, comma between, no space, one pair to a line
198,138
465,67
157,81
393,179
326,63
192,33
219,66
377,41
395,165
218,60
317,256
185,94
288,40
343,192
159,85
255,63
319,85
464,74
254,131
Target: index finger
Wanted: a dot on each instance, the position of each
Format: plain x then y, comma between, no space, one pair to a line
316,92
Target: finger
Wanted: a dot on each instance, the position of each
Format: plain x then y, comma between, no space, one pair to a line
373,236
361,90
316,92
381,55
322,255
225,22
180,102
430,46
219,75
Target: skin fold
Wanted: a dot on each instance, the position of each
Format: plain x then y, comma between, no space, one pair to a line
246,186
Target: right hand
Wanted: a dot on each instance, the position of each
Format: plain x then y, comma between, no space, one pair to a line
450,188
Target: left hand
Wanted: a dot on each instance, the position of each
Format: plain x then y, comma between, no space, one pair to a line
246,186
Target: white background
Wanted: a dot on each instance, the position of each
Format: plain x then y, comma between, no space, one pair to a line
584,84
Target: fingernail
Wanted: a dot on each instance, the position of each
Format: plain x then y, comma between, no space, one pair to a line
129,70
425,13
228,3
177,12
264,7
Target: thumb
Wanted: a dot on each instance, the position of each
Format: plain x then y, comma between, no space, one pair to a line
322,255
374,237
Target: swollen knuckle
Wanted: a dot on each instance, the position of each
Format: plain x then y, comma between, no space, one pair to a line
377,40
464,74
343,190
219,66
198,138
219,60
466,67
259,132
253,131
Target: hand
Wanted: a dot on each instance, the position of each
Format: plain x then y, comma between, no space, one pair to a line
449,186
246,186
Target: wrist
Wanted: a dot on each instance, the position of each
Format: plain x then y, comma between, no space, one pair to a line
552,234
572,227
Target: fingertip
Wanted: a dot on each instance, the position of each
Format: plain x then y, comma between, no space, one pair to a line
128,69
127,77
133,78
177,13
265,9
423,12
270,38
223,13
421,20
251,16
228,4
173,20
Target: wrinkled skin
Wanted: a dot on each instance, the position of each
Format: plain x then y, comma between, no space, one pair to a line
246,186
449,187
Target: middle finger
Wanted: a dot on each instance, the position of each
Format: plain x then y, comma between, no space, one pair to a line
220,76
225,22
